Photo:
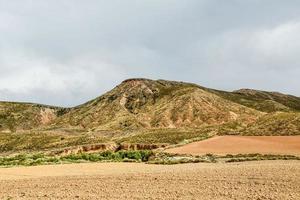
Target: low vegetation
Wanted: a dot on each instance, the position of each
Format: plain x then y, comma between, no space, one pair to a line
164,158
146,156
43,159
256,157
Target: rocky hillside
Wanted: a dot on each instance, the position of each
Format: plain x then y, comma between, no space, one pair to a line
147,104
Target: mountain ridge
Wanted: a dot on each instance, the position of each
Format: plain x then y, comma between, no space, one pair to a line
136,96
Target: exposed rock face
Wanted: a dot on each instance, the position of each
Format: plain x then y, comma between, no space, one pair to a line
47,115
137,93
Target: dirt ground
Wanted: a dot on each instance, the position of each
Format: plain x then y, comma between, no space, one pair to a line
222,145
248,180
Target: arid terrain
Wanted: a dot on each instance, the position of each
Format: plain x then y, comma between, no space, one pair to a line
135,122
149,99
247,180
223,145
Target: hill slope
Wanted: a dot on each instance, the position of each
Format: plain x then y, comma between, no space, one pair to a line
25,116
262,100
279,123
146,104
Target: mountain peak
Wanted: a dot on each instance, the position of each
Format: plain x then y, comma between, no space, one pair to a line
136,80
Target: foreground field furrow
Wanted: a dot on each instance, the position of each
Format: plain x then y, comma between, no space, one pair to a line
248,180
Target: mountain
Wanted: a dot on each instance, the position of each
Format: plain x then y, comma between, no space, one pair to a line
149,111
148,104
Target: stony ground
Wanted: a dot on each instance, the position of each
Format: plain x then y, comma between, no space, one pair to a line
248,180
222,145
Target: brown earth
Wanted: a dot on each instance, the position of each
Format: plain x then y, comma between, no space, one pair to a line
222,145
248,180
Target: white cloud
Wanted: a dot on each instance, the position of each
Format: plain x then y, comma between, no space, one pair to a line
265,58
271,48
24,75
281,44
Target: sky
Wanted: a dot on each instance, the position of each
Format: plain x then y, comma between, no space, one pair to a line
66,52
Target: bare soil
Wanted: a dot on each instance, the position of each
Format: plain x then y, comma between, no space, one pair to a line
222,145
247,180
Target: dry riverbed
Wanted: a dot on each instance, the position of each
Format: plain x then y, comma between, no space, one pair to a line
247,180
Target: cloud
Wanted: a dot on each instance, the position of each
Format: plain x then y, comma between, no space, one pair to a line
266,47
62,81
264,58
66,52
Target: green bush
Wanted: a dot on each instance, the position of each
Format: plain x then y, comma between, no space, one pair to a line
142,155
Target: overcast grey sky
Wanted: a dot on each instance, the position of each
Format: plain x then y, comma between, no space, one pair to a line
65,52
